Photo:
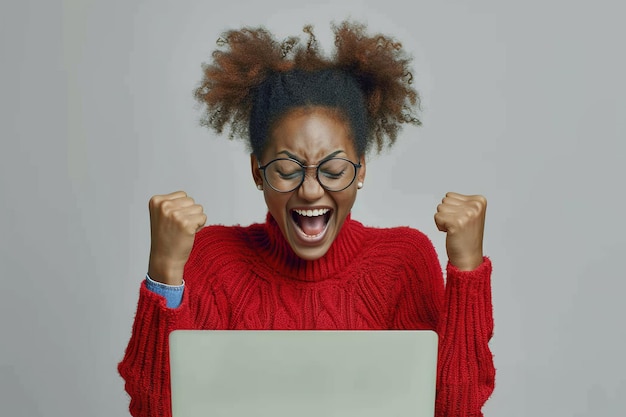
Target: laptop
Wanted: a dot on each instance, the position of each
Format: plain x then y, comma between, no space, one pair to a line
221,373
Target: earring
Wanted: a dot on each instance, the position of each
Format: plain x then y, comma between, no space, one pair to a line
259,187
359,185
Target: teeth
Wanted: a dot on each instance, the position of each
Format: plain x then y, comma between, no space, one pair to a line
312,213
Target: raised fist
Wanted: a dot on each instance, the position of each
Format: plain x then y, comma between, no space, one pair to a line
174,220
462,217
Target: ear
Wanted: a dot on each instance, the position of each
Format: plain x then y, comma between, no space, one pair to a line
361,174
256,172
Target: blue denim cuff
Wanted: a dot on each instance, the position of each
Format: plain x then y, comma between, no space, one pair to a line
173,294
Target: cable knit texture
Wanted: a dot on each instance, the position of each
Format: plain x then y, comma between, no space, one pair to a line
370,279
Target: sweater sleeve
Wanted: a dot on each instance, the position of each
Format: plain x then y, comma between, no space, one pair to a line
145,366
466,374
461,314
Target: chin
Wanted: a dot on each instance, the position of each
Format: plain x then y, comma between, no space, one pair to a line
310,254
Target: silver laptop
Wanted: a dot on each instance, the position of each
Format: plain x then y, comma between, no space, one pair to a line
303,373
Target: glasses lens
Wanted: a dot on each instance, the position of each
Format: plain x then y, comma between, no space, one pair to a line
336,174
284,174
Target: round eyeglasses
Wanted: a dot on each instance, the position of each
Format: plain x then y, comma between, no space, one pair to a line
285,174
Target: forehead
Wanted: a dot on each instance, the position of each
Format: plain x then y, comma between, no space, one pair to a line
311,134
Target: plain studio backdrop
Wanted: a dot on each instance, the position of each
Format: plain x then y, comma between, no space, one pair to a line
522,102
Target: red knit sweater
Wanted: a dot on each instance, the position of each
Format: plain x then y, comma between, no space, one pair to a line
249,278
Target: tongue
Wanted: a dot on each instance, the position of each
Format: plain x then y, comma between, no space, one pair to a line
312,225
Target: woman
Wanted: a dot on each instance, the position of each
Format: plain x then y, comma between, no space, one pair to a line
310,121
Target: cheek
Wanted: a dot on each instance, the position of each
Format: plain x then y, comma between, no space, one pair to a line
276,202
345,200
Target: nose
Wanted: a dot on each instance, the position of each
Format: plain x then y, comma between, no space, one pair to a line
311,189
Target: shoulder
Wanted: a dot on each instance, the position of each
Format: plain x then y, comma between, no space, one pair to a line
402,257
218,251
401,238
220,234
219,241
400,247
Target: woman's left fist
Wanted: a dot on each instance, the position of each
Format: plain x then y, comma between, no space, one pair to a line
462,217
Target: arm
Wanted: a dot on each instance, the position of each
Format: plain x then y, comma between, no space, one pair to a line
466,323
174,221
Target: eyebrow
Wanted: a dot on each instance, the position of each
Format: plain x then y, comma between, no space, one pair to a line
292,156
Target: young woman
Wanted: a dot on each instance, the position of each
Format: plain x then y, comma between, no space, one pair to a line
310,120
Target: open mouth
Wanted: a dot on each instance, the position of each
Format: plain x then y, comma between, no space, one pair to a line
312,223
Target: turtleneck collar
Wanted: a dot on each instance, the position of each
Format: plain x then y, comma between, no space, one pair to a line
276,252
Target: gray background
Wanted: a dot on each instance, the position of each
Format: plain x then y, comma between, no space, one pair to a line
523,102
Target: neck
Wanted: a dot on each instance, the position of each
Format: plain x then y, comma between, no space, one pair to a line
279,256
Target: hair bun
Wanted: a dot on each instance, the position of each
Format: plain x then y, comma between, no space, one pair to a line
250,55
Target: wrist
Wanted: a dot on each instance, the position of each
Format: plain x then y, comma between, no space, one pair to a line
468,263
165,272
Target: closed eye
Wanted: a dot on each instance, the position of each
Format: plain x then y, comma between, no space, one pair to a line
333,175
289,175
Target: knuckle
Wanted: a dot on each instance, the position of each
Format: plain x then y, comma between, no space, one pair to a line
479,206
166,206
176,215
154,201
480,199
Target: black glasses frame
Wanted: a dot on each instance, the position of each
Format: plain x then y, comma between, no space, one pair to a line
304,170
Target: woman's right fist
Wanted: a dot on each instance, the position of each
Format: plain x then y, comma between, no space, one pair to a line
174,220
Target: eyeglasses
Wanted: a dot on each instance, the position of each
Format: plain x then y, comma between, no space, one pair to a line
285,174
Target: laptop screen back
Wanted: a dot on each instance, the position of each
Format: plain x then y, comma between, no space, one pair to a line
303,373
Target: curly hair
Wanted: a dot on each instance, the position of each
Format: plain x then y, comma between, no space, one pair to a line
249,56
